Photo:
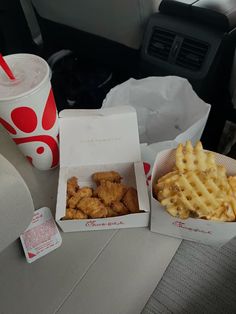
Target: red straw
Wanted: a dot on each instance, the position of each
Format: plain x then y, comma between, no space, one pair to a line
6,68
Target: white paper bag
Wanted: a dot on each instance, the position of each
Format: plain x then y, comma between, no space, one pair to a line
168,111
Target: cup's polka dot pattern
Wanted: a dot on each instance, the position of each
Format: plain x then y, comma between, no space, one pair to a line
50,113
40,150
25,119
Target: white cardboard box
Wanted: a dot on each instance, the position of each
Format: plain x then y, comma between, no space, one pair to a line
198,230
101,140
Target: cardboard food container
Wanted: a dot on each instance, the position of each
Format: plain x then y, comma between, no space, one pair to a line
198,230
101,140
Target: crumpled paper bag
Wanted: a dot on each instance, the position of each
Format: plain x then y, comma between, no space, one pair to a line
168,111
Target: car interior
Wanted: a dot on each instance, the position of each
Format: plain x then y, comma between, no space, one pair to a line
96,45
91,47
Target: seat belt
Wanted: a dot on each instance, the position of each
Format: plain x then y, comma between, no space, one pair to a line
32,22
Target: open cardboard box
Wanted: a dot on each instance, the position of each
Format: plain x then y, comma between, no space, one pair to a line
198,230
101,140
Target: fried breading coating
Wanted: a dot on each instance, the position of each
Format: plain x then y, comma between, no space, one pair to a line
110,192
72,213
93,207
111,176
67,199
119,208
81,193
69,214
110,198
72,186
80,215
111,212
131,200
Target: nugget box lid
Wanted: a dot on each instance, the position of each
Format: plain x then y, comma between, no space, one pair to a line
101,136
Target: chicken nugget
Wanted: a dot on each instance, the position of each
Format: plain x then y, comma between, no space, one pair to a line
111,176
69,214
72,186
111,212
93,207
79,214
110,192
81,193
72,213
119,208
131,200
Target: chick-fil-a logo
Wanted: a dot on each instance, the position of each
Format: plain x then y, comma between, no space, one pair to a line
95,223
147,168
26,120
182,225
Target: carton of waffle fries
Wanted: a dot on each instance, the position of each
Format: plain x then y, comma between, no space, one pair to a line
194,195
102,184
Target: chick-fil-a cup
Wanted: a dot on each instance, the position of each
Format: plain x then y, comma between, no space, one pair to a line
28,111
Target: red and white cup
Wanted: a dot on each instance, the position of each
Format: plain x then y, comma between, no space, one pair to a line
28,111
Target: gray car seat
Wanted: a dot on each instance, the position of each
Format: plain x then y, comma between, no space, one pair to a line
121,21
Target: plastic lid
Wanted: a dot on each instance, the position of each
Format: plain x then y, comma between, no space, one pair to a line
30,71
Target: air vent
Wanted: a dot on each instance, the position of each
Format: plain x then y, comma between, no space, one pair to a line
192,54
161,43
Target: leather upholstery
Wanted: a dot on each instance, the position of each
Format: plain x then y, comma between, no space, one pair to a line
122,21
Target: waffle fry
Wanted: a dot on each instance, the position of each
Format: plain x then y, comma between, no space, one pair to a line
198,187
232,183
194,158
